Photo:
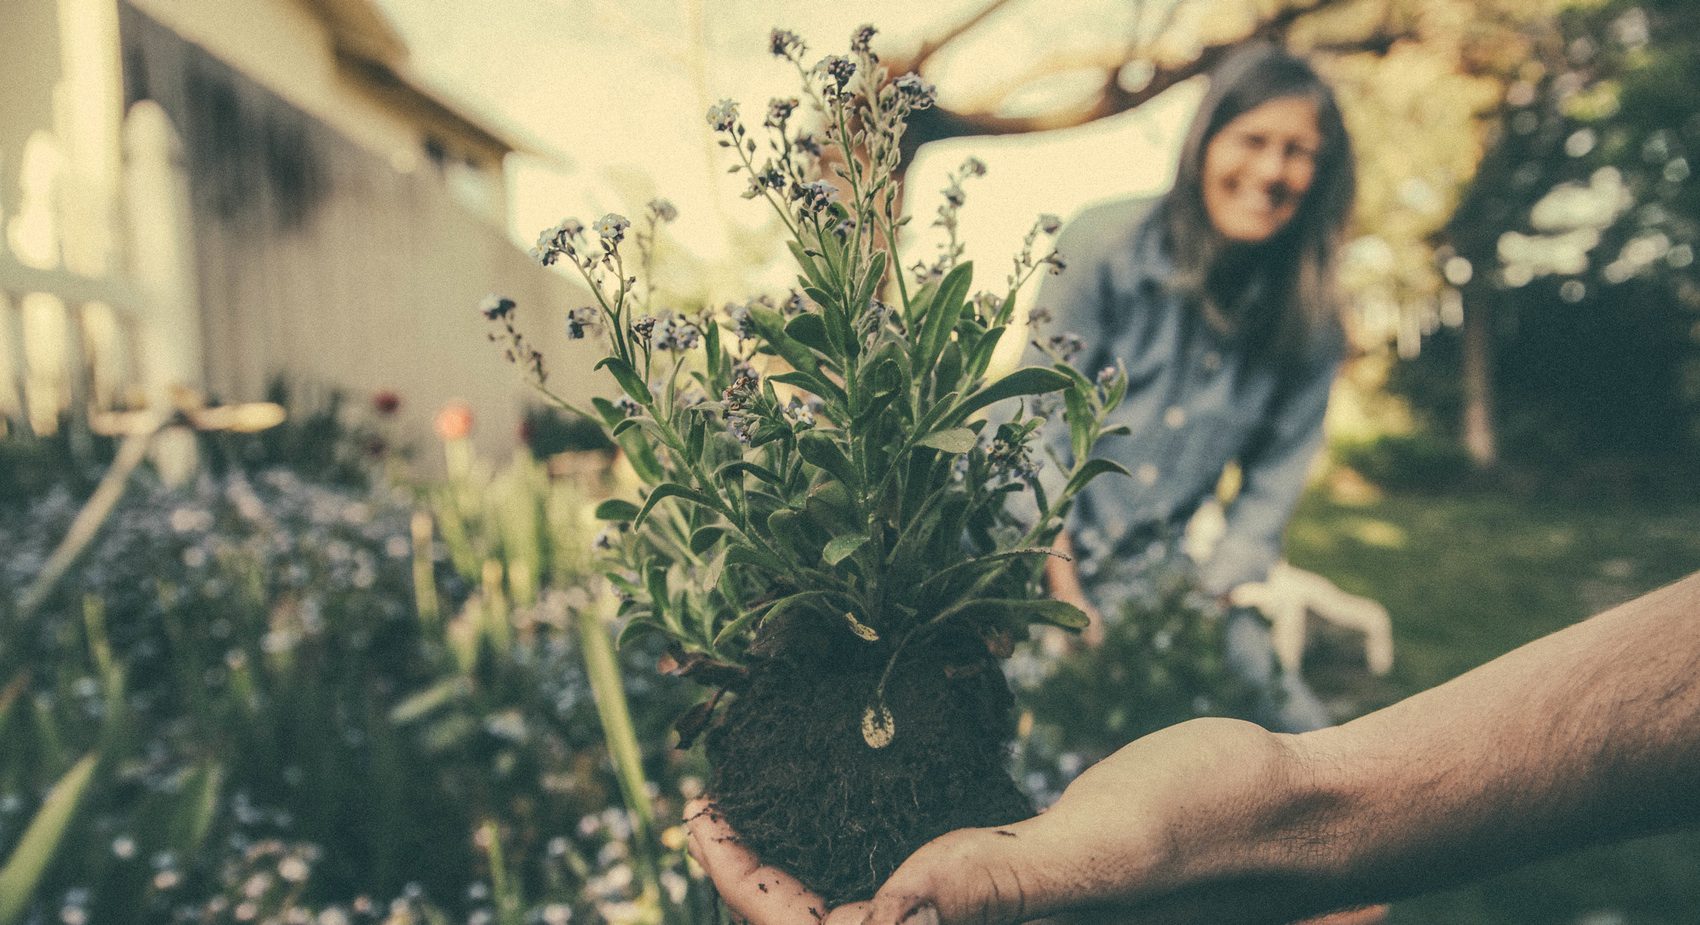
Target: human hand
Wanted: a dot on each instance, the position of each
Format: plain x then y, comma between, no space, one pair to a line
756,893
1169,829
1191,824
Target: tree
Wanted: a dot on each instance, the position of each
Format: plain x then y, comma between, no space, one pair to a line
1574,244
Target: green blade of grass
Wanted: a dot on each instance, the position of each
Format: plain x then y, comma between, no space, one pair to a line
29,860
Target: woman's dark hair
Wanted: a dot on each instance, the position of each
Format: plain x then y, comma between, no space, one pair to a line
1297,264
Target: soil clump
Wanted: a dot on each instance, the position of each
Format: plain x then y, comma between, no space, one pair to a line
796,780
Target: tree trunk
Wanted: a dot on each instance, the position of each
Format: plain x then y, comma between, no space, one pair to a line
1481,434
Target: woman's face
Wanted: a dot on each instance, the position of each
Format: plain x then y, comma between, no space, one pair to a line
1258,167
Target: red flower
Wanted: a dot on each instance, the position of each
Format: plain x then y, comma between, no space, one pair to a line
454,421
386,402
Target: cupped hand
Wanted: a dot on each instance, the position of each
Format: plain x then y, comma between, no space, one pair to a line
756,893
1156,833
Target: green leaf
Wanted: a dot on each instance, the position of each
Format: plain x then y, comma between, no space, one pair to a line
981,357
428,701
814,382
731,630
1091,470
629,380
709,578
811,331
789,531
954,440
738,467
610,414
842,547
704,538
738,553
771,325
870,280
655,583
636,627
821,297
616,509
919,304
192,822
936,412
769,612
711,346
822,450
696,435
943,577
641,456
810,268
947,370
1032,380
670,490
1079,416
942,315
1056,613
1117,390
830,506
29,859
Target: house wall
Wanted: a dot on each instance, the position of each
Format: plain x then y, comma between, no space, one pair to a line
315,260
29,69
285,47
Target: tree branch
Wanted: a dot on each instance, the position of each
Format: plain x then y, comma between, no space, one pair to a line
1112,98
931,46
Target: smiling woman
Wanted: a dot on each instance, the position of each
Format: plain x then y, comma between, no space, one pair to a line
1217,301
1259,167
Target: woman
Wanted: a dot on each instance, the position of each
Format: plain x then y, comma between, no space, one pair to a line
1216,298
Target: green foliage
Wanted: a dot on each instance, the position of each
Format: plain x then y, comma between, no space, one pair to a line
30,856
32,465
1576,243
824,456
315,695
1406,462
1161,663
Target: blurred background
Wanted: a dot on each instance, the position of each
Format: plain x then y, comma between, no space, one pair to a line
297,621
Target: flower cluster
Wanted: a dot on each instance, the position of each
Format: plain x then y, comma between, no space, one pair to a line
947,218
742,400
580,321
518,351
835,72
723,116
1025,263
561,239
676,334
784,43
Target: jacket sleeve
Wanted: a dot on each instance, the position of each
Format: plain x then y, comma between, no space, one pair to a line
1274,467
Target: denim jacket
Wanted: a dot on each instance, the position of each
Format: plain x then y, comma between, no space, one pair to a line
1197,400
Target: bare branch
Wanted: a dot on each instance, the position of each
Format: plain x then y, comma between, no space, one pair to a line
931,46
1112,98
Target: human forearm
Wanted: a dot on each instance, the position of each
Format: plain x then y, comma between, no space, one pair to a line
1589,734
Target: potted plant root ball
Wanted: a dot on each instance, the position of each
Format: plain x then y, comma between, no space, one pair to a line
842,523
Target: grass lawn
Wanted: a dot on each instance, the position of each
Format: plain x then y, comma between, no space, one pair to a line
1468,578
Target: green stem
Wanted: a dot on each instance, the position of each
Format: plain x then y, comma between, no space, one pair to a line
608,690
